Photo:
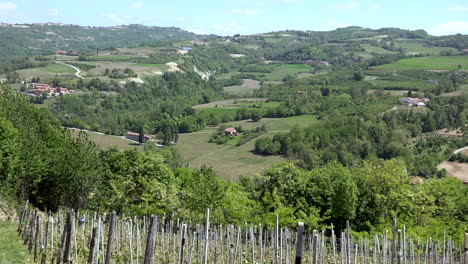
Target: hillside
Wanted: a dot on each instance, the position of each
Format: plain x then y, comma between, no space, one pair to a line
38,39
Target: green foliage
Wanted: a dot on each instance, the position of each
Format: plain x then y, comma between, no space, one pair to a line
50,166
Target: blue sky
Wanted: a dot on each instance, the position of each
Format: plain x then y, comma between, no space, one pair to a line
226,17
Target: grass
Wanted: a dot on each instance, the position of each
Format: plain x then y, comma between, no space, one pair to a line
379,50
287,69
12,249
220,111
107,141
427,63
112,58
230,161
414,47
57,68
278,124
247,87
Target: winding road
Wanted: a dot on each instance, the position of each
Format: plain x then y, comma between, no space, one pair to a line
78,71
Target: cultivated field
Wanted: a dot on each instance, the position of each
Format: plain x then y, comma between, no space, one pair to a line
287,69
247,87
414,47
378,50
107,141
455,169
427,63
49,71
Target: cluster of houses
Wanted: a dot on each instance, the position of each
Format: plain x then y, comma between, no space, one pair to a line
41,89
414,101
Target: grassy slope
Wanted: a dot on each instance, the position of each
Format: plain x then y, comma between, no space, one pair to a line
12,249
419,47
427,63
282,71
230,161
247,87
106,141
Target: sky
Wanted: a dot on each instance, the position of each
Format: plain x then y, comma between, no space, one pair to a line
228,17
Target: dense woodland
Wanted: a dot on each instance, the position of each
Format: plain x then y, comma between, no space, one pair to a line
355,163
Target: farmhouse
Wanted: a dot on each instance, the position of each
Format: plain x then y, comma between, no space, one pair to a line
39,89
60,52
465,51
136,136
230,131
414,101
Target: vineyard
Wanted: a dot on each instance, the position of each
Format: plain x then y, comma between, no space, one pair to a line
69,237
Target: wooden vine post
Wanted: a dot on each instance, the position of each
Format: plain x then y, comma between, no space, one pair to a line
207,234
299,243
92,245
110,237
149,253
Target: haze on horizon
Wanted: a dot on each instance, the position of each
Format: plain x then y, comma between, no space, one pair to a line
227,17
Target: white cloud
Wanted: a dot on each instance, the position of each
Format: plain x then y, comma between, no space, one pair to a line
5,6
137,5
450,28
376,6
244,12
346,6
458,8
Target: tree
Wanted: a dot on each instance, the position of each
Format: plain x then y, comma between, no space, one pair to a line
255,116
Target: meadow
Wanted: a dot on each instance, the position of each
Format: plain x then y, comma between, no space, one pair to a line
230,161
427,63
287,69
247,87
414,47
107,141
379,50
49,71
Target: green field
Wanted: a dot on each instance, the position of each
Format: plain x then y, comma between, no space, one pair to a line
12,249
57,68
247,87
287,69
413,47
379,50
427,63
112,58
49,71
278,124
107,141
230,161
220,111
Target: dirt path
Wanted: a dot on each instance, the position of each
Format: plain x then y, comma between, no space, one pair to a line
456,169
78,71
